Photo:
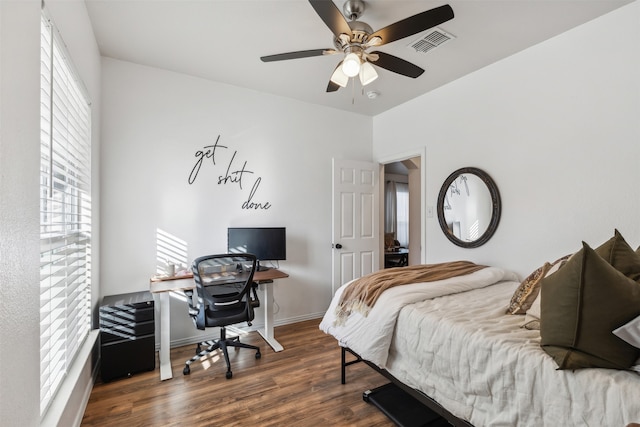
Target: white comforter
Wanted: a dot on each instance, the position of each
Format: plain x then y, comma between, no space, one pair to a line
370,336
480,364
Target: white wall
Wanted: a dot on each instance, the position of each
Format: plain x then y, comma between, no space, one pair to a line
19,220
154,123
556,127
19,213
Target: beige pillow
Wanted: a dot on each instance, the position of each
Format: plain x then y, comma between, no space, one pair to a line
557,264
580,305
527,292
532,318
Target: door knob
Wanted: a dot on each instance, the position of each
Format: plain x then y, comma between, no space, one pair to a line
338,246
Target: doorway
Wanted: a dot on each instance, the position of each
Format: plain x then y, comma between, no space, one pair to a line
402,213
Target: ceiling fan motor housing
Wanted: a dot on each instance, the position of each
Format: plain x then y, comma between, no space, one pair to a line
360,32
353,9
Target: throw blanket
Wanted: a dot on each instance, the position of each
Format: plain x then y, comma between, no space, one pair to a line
362,293
370,336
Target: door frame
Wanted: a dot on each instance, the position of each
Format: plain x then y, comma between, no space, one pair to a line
398,157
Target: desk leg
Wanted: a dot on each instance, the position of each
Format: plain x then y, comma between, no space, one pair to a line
165,336
267,331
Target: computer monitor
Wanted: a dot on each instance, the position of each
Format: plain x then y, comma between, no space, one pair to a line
266,243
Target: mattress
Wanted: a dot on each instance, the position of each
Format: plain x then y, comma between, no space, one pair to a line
369,335
482,366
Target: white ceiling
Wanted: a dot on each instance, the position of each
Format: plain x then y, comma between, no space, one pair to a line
223,40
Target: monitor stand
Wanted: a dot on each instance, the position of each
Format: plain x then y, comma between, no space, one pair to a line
262,267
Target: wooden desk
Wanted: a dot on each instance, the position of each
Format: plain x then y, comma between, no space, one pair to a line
163,286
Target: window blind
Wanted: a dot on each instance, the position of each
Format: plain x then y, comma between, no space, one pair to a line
65,214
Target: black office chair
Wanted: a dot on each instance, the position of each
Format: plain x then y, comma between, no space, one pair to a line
226,295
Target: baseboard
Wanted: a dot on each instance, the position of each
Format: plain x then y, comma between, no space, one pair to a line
241,329
297,319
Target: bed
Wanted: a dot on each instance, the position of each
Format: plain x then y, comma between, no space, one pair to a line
452,342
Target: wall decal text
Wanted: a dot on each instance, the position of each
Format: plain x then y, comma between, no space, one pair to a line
236,173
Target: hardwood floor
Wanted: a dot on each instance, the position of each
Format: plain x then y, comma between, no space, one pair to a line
299,386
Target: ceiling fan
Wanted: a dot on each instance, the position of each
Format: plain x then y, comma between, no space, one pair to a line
354,38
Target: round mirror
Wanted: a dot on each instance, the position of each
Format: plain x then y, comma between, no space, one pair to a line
469,207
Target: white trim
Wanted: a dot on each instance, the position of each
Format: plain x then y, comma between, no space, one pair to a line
254,327
54,416
62,46
398,157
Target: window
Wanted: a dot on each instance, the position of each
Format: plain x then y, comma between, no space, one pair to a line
65,214
402,214
397,211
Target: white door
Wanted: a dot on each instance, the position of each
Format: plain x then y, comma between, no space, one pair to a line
355,220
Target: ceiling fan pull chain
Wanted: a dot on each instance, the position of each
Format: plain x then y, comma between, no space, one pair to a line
353,91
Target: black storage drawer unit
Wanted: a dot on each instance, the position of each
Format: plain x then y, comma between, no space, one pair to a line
127,335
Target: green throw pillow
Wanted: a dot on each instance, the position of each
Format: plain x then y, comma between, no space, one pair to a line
581,305
617,252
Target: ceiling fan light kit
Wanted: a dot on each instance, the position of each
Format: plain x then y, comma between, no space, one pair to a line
339,77
351,64
354,38
367,74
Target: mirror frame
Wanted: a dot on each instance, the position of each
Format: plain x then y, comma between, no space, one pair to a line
496,207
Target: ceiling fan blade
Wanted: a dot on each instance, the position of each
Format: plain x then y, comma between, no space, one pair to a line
331,16
332,87
397,65
298,54
414,24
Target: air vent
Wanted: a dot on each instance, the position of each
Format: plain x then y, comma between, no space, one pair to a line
431,40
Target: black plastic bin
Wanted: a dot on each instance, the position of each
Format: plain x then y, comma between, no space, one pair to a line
402,408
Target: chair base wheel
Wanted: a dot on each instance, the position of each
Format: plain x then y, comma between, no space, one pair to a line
229,375
258,355
186,370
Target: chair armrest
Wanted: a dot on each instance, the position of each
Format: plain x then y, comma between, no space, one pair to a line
196,312
255,302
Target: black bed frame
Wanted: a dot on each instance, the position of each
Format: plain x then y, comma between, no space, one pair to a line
421,397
